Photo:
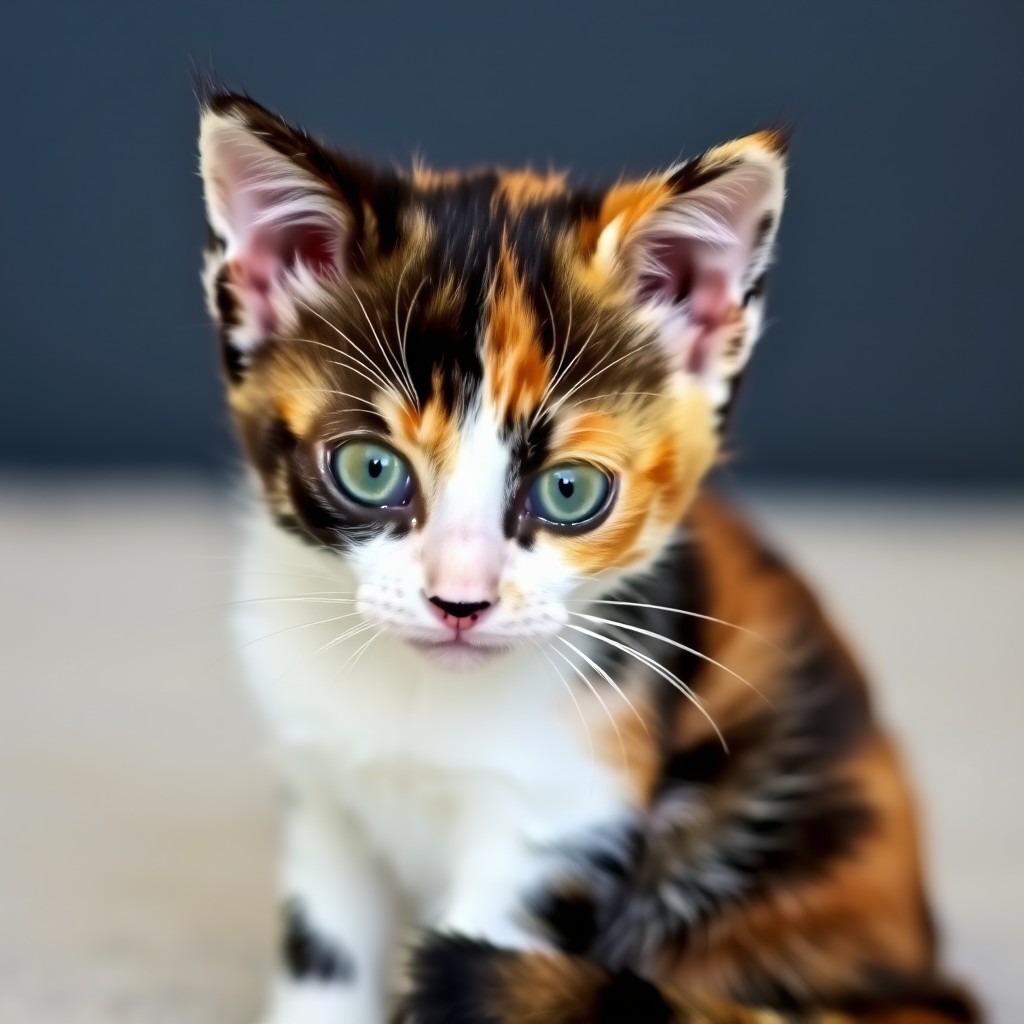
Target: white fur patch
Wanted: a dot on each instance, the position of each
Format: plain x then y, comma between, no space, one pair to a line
459,781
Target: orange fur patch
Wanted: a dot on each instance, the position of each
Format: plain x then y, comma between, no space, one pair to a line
429,436
631,201
660,452
292,384
426,178
516,367
521,188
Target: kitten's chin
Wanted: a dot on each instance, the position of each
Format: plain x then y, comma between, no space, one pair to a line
455,654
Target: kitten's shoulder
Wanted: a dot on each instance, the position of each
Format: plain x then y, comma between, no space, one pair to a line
747,582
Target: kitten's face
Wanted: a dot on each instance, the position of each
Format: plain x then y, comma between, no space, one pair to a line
487,393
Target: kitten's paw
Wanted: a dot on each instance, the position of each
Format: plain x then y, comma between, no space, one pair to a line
453,981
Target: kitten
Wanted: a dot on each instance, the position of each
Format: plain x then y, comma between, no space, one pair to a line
542,706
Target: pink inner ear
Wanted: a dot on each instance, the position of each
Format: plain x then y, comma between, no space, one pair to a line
677,276
252,276
272,253
676,279
668,278
709,299
309,243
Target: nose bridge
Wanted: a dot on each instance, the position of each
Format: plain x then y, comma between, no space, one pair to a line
464,546
462,565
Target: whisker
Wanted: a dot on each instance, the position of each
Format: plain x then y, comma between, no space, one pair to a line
683,611
608,679
376,384
579,710
408,312
617,394
293,339
595,373
265,572
328,391
300,625
668,640
372,368
299,598
354,659
617,346
368,366
549,390
405,384
399,337
593,430
359,627
341,334
554,343
661,671
380,344
604,707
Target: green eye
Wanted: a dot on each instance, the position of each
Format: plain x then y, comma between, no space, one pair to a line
372,474
568,495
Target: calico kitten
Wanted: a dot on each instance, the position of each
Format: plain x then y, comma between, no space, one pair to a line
543,708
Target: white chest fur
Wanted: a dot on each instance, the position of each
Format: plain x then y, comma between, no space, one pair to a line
427,762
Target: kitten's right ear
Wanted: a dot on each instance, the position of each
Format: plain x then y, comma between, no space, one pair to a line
283,215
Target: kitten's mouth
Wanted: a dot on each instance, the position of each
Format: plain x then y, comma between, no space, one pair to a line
454,652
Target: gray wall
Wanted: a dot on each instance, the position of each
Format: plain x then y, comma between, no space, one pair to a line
894,353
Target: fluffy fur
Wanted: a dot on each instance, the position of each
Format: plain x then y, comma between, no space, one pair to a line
610,768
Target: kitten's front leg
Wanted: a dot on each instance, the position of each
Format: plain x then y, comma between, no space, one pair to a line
338,923
494,870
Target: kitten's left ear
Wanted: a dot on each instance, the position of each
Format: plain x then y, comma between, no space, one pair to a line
285,216
694,245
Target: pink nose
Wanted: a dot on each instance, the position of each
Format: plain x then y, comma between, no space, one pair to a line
459,615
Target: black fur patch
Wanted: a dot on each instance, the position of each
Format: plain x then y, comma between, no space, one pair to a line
574,913
757,288
701,765
452,981
888,989
570,919
630,998
308,955
695,173
455,981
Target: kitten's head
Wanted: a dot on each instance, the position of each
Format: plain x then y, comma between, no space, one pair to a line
486,392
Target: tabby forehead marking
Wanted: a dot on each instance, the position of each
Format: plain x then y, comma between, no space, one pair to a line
517,369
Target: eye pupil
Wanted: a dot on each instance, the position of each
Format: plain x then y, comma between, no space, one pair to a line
375,468
566,487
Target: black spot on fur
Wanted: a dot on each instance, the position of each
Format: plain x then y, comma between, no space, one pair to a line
308,955
453,981
575,912
571,920
700,765
630,998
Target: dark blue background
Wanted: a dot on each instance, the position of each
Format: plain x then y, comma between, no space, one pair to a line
895,353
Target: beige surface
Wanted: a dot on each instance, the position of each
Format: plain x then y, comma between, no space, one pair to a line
136,809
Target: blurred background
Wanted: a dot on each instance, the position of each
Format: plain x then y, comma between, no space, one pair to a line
880,436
